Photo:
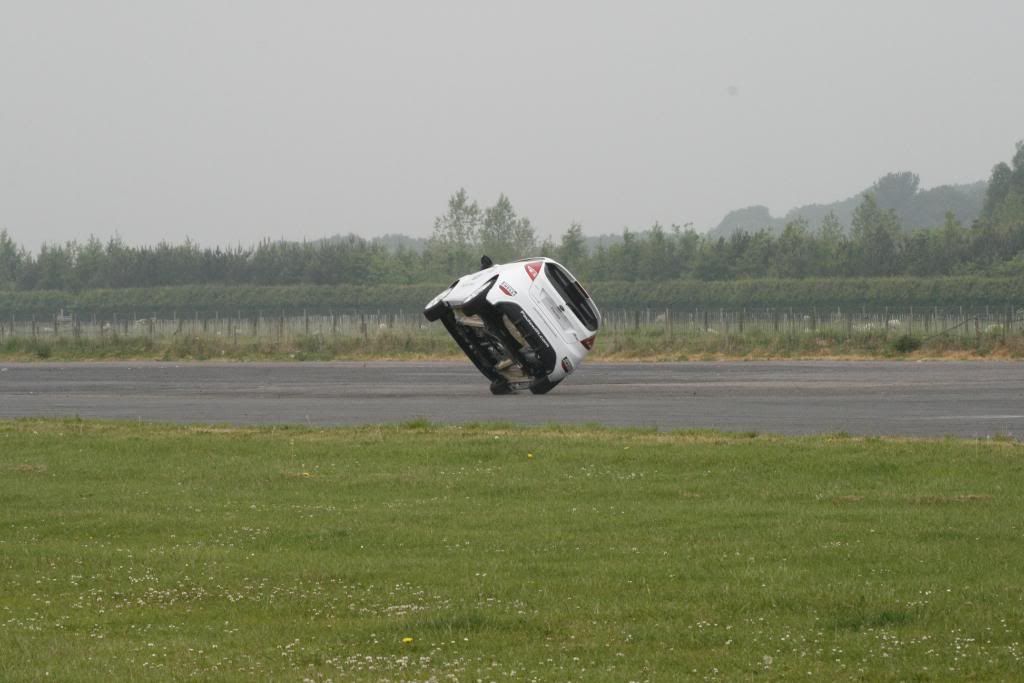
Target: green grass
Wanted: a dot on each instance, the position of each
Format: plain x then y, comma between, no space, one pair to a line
165,552
642,344
383,344
656,344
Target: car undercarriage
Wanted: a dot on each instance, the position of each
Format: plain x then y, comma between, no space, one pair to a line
505,345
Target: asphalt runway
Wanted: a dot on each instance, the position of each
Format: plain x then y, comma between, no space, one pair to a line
967,399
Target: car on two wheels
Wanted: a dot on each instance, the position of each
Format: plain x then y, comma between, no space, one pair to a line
525,325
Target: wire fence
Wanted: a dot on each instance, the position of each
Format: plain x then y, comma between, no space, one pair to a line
837,323
280,327
833,323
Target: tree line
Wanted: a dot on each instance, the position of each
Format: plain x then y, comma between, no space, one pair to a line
875,244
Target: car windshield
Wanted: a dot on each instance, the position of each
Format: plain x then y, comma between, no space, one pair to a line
574,295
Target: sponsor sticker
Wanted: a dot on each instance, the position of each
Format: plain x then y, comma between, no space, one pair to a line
507,289
533,329
567,365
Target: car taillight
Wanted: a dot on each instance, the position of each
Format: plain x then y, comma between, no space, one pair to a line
533,269
588,343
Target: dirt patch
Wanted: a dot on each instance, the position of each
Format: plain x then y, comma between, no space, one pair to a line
945,500
27,468
838,500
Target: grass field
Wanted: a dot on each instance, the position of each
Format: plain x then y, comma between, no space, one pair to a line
495,553
644,344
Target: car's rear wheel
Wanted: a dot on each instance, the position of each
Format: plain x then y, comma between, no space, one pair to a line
542,385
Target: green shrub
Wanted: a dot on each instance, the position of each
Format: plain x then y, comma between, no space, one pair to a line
906,343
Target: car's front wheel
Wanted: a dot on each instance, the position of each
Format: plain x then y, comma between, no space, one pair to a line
432,313
500,387
436,307
478,303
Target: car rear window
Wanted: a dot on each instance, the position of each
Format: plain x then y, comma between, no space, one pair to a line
574,295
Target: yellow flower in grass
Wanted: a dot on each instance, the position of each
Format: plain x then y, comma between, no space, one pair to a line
407,640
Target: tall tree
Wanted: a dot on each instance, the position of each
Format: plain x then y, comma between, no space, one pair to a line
832,245
873,233
12,258
894,190
573,248
455,241
795,256
999,184
504,236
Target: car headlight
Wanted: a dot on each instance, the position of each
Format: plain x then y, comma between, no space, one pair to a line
481,289
433,302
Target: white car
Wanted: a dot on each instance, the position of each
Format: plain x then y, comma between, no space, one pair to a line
526,324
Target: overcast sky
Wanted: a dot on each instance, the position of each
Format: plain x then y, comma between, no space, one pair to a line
232,121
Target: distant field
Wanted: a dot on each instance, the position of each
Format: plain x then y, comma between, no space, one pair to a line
639,334
650,344
491,552
849,293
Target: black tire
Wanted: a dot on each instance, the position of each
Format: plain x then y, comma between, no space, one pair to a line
478,304
500,387
435,312
542,385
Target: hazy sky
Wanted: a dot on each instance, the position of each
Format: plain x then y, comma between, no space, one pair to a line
232,121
